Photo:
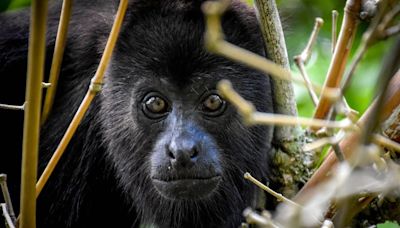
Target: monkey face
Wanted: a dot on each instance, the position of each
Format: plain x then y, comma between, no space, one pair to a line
173,139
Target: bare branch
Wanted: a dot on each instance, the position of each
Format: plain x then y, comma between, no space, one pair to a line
253,217
335,16
339,59
95,87
13,107
386,142
57,57
6,196
301,59
279,196
7,217
250,116
317,144
391,31
391,101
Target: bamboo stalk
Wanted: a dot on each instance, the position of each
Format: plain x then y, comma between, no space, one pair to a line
95,87
340,55
57,58
30,145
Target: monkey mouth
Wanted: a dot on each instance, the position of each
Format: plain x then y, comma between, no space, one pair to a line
188,188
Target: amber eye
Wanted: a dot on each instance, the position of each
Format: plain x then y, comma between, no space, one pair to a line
155,106
213,105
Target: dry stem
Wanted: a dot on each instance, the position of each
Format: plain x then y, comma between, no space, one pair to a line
335,16
33,97
339,59
57,57
95,87
250,116
13,107
6,196
392,100
302,59
9,222
277,195
215,43
254,218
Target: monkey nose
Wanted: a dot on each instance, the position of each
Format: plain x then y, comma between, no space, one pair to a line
182,154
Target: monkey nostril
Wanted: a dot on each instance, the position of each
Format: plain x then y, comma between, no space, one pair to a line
182,154
171,155
194,153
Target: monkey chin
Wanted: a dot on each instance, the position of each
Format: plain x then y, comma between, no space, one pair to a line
187,189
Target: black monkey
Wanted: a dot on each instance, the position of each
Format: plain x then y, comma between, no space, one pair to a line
159,145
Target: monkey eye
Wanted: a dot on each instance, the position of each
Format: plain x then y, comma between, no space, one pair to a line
214,105
154,106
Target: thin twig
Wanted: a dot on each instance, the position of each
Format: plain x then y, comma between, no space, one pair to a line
340,56
391,31
13,107
7,217
335,146
278,196
253,217
94,88
277,119
335,16
386,142
215,43
344,108
61,41
375,32
302,59
306,53
250,116
316,144
392,101
367,40
388,17
304,74
384,79
6,196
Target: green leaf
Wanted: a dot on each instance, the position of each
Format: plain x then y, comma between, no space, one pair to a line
388,224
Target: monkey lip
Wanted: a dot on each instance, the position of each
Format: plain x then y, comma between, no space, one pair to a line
187,188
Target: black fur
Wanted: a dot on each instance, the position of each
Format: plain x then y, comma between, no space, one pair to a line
105,177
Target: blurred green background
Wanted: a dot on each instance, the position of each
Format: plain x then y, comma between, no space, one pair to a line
13,4
298,18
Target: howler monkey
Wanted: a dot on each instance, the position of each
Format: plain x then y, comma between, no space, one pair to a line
159,145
